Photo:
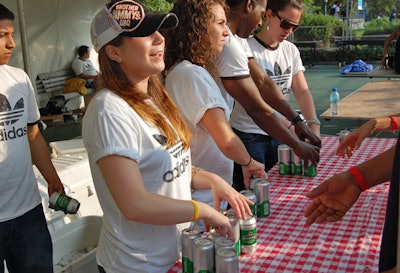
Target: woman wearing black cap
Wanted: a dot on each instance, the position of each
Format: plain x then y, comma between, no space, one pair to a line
138,148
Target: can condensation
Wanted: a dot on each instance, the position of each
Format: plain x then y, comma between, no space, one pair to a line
296,163
226,261
203,255
59,201
234,221
284,159
252,197
262,195
248,234
187,239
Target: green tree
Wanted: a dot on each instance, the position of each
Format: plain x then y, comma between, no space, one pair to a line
383,7
161,6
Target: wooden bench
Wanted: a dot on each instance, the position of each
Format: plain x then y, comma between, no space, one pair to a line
51,84
345,43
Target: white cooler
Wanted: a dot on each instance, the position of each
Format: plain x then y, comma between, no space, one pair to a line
74,172
75,245
70,147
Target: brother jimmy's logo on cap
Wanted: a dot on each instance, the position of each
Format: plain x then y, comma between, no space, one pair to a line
128,14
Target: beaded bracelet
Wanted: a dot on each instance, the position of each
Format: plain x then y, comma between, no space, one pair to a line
195,170
359,178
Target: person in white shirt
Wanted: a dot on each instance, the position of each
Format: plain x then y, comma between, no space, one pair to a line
139,148
25,242
281,60
190,73
243,79
84,68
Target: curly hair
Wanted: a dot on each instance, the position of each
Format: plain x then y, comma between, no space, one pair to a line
190,40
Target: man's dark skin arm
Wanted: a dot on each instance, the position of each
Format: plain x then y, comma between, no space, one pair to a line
272,95
244,91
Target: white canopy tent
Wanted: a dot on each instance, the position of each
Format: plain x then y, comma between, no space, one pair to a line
48,33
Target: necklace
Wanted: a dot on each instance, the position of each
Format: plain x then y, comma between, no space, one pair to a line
265,45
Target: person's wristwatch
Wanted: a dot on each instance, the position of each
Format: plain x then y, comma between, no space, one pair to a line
299,117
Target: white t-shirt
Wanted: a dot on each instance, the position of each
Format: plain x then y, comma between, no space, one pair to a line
84,67
111,126
195,91
281,65
19,191
233,61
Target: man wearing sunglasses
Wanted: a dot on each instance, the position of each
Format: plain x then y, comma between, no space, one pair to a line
280,59
243,79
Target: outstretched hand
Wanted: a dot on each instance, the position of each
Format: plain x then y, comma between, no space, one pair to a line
332,199
353,141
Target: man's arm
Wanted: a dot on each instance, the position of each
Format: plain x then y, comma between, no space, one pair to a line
41,158
244,91
272,95
336,195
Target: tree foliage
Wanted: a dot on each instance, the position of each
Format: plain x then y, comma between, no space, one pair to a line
382,7
161,6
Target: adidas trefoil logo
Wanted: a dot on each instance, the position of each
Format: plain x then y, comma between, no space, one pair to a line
10,115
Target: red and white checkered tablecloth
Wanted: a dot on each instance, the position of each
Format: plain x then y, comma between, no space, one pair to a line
351,245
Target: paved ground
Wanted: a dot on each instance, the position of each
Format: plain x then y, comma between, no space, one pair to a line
321,80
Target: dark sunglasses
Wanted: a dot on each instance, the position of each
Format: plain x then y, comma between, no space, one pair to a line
286,24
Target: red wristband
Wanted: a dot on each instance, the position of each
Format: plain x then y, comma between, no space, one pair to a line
395,124
359,178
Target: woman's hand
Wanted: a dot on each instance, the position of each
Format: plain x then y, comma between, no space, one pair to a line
254,169
214,218
223,191
353,141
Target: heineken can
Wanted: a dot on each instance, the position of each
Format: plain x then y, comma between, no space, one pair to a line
203,255
248,234
310,171
187,238
59,201
343,134
284,159
236,228
224,242
262,195
296,163
226,261
252,197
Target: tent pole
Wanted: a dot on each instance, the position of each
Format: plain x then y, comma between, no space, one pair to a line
24,39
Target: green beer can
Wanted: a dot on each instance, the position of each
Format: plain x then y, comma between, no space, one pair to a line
284,159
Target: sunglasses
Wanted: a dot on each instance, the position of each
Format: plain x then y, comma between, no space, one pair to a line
286,24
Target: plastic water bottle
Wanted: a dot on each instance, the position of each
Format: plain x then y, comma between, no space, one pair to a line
334,99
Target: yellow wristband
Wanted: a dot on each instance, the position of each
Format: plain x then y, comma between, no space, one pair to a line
196,212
